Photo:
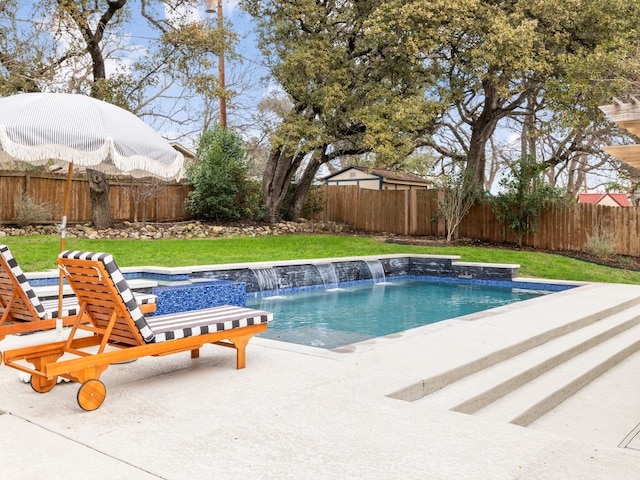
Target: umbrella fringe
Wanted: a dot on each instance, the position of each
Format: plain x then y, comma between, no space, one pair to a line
143,166
106,159
41,154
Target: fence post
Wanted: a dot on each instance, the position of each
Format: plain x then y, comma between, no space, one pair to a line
407,212
413,226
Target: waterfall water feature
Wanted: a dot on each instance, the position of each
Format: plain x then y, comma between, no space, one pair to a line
267,278
377,272
328,273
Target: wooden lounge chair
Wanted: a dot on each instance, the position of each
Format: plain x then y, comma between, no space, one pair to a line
117,322
22,311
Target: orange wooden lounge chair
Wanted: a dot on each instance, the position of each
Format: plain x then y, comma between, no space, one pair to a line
22,311
116,321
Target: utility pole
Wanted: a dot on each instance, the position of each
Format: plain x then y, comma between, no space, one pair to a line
223,97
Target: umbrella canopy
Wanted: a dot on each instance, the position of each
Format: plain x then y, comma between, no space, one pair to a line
81,130
39,127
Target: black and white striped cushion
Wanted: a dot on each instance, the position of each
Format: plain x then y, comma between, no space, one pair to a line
121,286
208,320
48,309
70,305
16,271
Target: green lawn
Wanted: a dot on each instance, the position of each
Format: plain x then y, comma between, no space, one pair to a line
37,253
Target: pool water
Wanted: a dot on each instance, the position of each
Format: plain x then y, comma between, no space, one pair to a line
341,316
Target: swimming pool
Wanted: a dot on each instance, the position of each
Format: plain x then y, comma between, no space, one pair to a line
336,317
183,288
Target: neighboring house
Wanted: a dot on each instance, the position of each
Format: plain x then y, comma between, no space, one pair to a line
607,199
188,155
377,179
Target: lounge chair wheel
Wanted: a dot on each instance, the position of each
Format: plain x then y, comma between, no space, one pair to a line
91,394
42,384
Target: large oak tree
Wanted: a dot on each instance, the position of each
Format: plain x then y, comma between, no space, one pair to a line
386,77
349,91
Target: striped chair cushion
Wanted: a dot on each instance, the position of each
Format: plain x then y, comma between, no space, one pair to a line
16,271
121,286
70,305
200,322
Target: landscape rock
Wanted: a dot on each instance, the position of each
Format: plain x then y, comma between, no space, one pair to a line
156,231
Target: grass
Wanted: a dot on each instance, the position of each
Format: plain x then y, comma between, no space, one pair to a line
38,253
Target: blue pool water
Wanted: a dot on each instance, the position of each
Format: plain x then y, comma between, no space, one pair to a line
337,317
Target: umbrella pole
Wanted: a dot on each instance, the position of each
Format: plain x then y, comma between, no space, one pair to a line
63,236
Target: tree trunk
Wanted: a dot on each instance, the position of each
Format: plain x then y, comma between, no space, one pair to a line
98,184
528,137
477,161
301,191
99,192
482,130
280,169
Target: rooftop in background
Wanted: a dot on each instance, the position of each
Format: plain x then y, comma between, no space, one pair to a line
377,179
186,153
607,199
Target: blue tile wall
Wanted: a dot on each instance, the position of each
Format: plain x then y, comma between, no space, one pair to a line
200,295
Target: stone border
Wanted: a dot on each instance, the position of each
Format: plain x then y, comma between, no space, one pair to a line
180,230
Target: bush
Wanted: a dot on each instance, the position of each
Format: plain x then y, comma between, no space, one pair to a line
31,211
599,246
222,190
525,195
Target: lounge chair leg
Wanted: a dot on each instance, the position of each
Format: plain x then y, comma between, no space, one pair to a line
240,342
195,353
84,375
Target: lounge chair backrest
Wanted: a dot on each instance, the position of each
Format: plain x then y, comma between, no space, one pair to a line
114,294
11,279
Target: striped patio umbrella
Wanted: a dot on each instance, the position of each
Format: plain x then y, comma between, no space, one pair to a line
39,127
81,130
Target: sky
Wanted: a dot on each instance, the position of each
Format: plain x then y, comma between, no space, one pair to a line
242,25
137,39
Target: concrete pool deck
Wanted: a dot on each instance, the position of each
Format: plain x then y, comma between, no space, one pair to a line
299,412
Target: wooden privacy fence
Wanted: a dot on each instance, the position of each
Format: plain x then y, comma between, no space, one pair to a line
131,200
415,212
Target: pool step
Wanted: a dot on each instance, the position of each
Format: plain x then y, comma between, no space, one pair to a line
524,387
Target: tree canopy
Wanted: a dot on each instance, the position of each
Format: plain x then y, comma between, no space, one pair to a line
350,92
386,78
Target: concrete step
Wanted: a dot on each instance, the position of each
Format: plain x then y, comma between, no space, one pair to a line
542,394
476,391
433,383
